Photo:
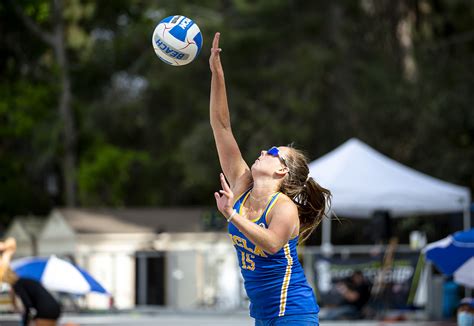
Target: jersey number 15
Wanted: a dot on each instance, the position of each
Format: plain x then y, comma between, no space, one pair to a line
247,262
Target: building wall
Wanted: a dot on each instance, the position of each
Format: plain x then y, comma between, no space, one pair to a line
57,238
111,260
201,268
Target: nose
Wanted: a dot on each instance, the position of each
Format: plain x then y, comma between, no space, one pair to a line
262,153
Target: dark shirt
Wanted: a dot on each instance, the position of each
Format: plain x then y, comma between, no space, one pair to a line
364,295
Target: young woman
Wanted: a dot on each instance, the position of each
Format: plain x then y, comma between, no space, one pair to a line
269,207
39,305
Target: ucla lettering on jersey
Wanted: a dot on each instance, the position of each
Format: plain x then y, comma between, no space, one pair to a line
275,284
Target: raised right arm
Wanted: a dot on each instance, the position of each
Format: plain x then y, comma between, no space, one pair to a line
233,165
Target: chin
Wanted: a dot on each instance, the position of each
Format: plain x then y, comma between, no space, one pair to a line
257,171
253,170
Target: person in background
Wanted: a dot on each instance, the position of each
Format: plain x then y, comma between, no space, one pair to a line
465,316
451,297
355,292
40,307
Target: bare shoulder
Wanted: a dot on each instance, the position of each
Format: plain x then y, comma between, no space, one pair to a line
285,208
283,218
285,200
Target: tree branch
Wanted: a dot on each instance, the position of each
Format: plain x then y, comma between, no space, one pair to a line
31,25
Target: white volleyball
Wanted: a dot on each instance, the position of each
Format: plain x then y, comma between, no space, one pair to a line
177,40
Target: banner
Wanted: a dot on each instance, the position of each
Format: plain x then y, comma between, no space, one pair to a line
395,283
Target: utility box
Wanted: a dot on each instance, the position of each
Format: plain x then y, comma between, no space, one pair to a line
182,279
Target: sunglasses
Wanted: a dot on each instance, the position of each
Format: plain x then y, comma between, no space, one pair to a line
274,151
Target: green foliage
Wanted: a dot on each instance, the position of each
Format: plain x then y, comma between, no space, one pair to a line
39,10
27,130
105,172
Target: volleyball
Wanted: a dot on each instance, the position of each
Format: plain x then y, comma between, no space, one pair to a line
177,40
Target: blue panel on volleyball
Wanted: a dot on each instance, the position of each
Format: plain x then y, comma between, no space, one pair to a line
198,40
166,20
181,29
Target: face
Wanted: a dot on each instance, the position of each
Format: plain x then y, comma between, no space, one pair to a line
272,159
357,279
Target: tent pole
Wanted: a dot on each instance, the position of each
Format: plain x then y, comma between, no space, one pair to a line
467,226
326,246
467,215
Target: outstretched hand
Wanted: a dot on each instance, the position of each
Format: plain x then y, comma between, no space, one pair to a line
214,59
224,198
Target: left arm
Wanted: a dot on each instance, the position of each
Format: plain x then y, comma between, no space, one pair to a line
347,293
283,223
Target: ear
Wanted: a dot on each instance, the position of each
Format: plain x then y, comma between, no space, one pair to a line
282,171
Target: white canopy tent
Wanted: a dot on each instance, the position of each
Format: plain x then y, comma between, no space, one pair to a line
363,181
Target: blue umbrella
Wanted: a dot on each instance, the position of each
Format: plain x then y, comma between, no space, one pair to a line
454,255
57,275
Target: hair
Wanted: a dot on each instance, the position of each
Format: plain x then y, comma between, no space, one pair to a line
357,272
312,200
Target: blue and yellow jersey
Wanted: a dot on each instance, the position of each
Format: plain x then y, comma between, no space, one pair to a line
275,284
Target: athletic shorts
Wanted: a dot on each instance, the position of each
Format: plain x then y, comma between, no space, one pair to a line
297,320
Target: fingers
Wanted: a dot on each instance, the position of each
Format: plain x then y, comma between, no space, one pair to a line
225,193
225,187
214,59
215,50
224,184
218,196
215,42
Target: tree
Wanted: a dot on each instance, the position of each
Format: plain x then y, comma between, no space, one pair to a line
56,39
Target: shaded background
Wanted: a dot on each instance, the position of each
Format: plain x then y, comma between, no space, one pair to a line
90,117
